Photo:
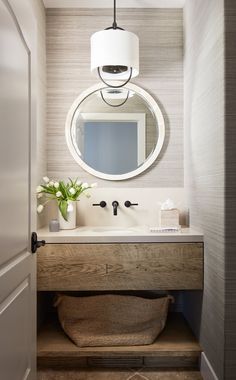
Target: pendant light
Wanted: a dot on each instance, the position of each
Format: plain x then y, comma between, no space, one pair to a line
115,54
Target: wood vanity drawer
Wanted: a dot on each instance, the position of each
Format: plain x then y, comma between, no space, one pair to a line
125,266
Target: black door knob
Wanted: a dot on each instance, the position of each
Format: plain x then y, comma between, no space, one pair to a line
35,243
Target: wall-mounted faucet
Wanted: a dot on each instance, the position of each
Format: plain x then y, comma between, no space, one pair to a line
129,204
101,204
115,205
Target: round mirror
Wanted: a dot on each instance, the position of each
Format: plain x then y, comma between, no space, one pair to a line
115,134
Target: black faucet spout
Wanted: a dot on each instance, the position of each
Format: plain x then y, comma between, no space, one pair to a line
115,205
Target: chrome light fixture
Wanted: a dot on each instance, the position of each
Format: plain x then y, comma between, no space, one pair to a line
115,54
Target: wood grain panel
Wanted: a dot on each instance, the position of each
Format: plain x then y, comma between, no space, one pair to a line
161,74
120,266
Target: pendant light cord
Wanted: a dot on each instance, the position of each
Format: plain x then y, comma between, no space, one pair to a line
114,25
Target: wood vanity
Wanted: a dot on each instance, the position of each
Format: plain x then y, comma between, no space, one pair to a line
120,266
169,262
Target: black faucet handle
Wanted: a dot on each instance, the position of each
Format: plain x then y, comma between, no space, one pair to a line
129,204
101,204
115,204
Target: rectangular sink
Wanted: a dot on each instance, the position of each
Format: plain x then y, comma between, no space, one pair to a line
112,230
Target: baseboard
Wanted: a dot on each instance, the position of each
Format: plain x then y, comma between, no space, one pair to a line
206,369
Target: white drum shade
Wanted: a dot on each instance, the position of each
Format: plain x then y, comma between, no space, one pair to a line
115,47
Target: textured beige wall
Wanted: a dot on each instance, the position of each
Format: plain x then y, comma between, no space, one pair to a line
204,165
41,148
40,15
161,74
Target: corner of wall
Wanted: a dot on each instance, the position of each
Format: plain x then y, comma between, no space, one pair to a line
206,369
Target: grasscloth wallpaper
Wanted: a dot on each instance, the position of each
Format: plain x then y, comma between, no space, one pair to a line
41,133
39,12
204,167
161,74
230,191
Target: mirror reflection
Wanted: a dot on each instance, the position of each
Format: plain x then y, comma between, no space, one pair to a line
115,133
111,143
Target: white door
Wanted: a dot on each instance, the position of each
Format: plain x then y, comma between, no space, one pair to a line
17,263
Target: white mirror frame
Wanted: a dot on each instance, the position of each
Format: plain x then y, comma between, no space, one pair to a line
152,157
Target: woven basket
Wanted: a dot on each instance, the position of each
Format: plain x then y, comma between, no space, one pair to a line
112,320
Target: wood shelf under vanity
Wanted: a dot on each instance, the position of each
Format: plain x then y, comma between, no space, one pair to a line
175,347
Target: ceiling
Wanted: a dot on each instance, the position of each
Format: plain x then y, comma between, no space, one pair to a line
109,3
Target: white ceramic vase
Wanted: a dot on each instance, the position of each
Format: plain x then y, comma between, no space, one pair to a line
70,223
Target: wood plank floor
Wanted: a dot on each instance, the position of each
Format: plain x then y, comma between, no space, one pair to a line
108,374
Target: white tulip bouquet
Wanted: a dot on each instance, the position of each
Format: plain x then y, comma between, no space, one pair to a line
63,193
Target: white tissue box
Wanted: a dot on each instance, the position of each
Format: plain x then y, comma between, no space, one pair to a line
169,218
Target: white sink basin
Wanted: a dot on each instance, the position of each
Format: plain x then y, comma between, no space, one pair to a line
111,230
120,230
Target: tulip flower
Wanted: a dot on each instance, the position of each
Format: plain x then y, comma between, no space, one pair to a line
40,208
46,179
72,191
